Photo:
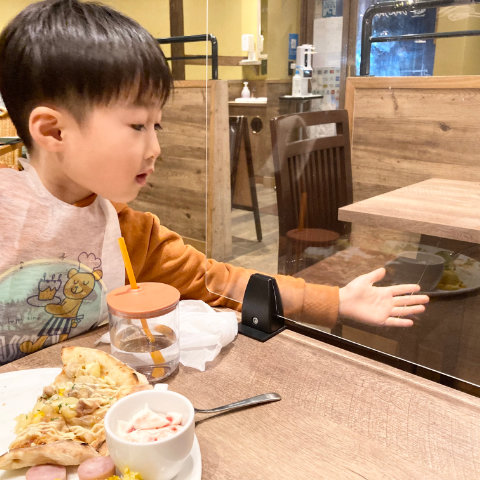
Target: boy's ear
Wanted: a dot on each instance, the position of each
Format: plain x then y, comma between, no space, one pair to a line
45,125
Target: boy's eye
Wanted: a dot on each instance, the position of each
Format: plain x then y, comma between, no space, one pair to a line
158,127
138,126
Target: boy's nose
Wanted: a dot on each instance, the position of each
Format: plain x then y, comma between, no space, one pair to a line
154,149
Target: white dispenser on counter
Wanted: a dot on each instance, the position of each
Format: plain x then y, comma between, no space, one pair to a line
304,69
245,91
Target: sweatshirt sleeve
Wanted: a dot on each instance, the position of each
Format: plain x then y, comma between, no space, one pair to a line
160,255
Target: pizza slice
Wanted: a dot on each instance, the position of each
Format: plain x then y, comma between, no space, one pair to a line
65,427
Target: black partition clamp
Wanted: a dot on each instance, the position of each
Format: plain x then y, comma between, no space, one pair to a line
262,311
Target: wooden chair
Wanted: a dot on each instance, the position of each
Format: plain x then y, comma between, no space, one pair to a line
9,154
313,179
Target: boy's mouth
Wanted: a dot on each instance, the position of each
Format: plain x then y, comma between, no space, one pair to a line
141,179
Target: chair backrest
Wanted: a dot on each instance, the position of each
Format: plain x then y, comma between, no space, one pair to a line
9,154
313,176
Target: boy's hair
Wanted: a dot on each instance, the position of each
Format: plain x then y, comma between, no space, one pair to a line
75,55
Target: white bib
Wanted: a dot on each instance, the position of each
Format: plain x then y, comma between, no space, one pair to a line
57,262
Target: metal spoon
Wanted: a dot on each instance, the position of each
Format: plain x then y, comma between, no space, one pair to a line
247,402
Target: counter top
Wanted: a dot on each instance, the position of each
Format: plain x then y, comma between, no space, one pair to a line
247,102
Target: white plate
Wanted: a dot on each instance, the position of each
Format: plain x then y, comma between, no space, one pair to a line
19,391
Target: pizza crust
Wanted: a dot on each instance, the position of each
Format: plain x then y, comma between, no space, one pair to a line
74,357
90,381
66,452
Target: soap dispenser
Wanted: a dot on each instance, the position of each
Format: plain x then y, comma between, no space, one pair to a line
245,90
297,84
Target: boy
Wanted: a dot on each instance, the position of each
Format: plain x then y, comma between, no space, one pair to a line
84,86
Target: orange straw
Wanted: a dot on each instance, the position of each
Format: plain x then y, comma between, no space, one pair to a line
128,264
156,355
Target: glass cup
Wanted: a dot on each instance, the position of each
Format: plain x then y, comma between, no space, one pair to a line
144,328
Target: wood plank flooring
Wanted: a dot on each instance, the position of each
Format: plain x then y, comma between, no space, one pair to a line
247,251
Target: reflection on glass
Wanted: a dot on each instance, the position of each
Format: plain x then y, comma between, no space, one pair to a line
420,56
401,58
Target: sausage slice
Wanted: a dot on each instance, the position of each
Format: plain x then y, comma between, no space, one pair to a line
46,472
96,468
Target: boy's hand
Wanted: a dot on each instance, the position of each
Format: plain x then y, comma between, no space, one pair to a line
380,306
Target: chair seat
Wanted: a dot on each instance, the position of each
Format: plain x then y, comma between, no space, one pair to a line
313,236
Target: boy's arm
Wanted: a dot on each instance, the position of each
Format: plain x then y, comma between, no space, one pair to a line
159,255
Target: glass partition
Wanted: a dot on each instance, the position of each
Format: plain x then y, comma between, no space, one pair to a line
177,190
288,181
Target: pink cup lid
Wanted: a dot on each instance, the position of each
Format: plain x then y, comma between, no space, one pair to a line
148,300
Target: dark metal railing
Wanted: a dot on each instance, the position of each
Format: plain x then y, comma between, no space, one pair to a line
391,6
196,38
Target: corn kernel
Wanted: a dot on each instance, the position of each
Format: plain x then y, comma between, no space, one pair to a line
38,417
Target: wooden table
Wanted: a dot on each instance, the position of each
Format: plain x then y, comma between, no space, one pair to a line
439,207
341,416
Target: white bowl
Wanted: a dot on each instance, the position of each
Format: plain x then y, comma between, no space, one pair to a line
160,460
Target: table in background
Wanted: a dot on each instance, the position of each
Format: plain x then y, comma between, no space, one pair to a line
437,206
341,416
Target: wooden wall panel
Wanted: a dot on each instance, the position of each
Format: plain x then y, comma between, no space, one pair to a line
177,191
407,129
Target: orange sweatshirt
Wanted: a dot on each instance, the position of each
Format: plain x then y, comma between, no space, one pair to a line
159,255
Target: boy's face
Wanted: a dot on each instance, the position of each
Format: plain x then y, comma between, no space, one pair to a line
112,152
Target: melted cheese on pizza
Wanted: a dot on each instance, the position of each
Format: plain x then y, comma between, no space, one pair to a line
72,410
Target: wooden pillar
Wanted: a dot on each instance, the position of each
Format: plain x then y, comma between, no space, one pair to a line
307,15
176,30
349,41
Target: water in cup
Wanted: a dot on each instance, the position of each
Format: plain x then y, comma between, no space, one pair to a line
131,345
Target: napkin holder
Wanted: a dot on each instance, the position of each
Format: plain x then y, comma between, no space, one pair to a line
262,311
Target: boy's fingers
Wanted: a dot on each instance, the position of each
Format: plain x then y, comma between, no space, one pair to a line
404,311
410,300
376,275
398,322
404,289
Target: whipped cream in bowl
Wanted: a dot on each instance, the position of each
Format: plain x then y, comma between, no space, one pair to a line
151,432
149,426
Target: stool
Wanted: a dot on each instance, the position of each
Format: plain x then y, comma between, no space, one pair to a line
299,239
